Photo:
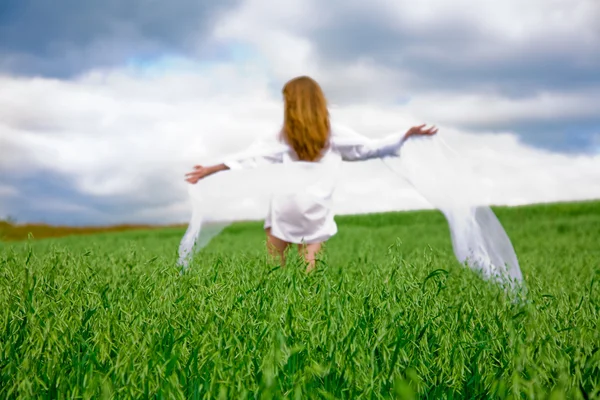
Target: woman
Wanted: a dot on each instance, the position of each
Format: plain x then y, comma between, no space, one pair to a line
305,218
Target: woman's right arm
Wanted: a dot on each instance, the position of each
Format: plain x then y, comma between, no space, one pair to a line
355,147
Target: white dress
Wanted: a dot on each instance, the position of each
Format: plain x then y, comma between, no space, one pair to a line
305,214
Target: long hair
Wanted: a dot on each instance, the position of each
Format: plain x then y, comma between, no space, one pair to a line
306,118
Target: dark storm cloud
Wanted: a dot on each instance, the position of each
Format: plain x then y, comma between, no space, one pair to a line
457,54
577,136
567,135
64,37
51,200
50,197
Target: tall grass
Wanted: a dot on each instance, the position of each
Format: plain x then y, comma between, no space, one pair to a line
388,313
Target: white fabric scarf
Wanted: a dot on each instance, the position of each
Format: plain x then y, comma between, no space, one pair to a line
450,185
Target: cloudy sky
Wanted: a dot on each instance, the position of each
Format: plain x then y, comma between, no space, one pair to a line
104,105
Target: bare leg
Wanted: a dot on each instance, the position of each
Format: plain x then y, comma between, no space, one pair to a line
276,247
309,251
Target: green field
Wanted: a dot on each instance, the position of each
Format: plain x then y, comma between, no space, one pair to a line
389,313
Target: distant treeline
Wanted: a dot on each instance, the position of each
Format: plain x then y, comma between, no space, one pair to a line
10,231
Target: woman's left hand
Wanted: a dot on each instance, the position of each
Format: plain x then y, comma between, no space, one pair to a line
198,173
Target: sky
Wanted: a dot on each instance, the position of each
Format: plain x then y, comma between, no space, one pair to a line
105,105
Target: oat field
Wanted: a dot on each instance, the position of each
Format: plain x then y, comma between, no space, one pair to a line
388,314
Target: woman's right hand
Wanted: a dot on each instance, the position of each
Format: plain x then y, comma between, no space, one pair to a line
420,131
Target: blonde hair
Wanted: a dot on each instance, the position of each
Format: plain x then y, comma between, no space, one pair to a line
306,118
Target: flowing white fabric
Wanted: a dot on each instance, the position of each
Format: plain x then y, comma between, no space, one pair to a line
449,184
446,181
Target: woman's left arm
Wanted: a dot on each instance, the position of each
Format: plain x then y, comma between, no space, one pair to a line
201,172
260,152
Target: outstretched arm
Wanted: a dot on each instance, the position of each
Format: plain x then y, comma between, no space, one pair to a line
260,152
355,147
201,172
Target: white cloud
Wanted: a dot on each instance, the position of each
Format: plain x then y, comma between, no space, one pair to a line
471,63
127,137
500,30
